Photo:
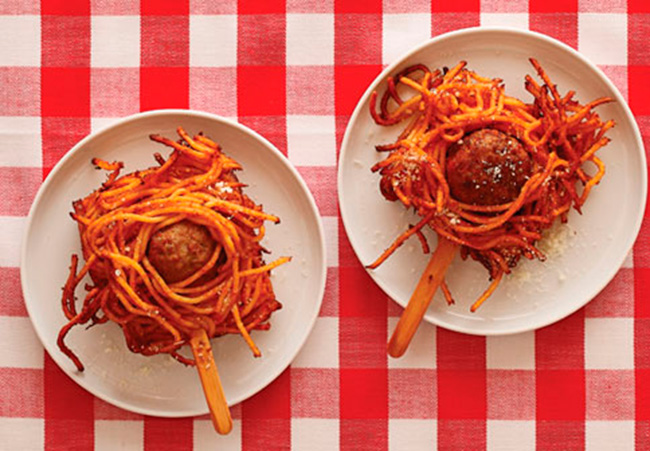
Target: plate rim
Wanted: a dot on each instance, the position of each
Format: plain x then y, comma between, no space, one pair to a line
359,108
322,276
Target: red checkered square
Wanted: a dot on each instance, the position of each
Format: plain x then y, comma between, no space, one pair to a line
16,7
412,393
59,135
269,51
553,6
457,6
164,49
214,89
642,434
642,393
560,394
321,181
357,39
212,7
106,411
444,22
641,292
504,6
462,394
105,82
642,342
114,8
261,90
401,7
460,351
274,402
638,28
273,128
510,395
359,6
59,389
168,433
618,76
65,41
457,435
364,393
268,435
561,346
638,6
65,7
561,26
163,87
25,96
564,435
598,6
58,432
639,87
310,90
609,394
364,434
341,123
261,7
330,306
354,280
616,300
310,6
314,393
22,393
350,83
18,187
362,341
65,92
642,245
11,293
164,7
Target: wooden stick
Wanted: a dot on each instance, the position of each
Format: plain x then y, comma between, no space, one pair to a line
431,279
211,383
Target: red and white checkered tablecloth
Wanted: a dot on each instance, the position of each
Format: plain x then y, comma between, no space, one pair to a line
293,70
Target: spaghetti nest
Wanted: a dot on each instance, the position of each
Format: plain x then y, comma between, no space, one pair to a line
230,292
559,134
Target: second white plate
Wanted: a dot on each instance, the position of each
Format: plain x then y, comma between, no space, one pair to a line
582,257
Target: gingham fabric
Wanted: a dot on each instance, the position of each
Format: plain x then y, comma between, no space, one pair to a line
293,70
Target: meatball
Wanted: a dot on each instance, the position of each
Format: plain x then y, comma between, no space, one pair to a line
180,250
487,167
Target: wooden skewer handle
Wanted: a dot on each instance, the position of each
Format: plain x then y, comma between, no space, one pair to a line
219,411
431,279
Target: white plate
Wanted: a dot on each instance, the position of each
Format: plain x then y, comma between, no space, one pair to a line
590,250
159,385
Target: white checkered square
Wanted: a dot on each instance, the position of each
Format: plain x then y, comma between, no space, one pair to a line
13,229
311,140
511,352
512,20
24,434
331,230
401,32
205,439
213,41
98,123
314,434
609,343
321,350
115,435
22,349
603,44
421,353
115,41
22,133
310,39
412,434
20,41
609,435
510,435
